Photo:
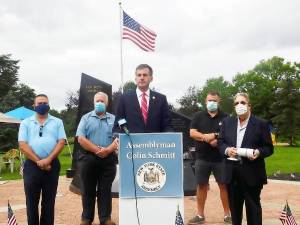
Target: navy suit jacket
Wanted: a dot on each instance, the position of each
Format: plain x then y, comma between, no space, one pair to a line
257,136
158,113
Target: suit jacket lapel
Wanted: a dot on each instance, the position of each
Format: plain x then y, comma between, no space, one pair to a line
137,106
150,107
234,130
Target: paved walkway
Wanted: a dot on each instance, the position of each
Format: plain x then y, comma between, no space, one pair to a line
68,205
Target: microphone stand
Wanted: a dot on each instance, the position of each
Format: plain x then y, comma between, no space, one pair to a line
133,173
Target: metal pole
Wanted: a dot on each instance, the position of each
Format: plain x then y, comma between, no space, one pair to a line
121,45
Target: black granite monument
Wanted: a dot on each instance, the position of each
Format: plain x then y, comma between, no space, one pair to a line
89,86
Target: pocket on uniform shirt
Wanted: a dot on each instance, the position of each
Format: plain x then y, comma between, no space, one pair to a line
109,137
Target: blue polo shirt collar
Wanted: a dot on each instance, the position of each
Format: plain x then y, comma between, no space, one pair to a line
106,115
33,118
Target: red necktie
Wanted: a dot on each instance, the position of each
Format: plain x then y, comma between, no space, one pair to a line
144,107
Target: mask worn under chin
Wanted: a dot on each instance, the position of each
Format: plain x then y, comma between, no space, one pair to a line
42,109
100,107
211,106
241,109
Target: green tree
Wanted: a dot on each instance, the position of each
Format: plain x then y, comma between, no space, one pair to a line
8,136
8,74
261,84
69,115
223,87
72,100
129,85
17,96
25,95
12,95
189,102
286,107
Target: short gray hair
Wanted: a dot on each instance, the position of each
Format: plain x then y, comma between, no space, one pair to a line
103,94
243,94
144,66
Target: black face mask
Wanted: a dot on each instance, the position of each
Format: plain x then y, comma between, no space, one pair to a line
42,109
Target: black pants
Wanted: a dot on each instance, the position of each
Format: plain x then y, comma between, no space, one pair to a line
97,176
240,192
37,182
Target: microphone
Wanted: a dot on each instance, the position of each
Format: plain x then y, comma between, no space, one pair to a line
123,125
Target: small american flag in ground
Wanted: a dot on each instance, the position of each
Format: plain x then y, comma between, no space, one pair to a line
11,216
286,216
178,220
138,34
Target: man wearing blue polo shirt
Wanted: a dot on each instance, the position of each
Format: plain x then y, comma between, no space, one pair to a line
41,139
98,161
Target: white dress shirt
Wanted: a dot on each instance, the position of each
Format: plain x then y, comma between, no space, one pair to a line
240,132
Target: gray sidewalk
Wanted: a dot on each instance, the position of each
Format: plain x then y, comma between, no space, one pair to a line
68,205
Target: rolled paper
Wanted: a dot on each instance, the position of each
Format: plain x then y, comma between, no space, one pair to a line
245,152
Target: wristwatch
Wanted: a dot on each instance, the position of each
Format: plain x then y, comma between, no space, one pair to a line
216,135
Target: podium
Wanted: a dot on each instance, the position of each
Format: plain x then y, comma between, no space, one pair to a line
151,178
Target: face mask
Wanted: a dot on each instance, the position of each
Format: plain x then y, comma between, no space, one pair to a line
42,109
100,107
241,109
211,106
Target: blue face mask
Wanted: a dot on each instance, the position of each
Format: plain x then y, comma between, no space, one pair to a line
42,109
100,107
211,106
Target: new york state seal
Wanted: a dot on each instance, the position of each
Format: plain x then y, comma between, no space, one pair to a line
151,177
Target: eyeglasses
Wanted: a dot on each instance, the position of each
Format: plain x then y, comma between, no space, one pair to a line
241,102
41,131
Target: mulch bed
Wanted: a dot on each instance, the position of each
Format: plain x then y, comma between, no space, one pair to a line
285,176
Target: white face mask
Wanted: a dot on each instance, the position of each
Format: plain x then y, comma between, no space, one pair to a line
241,109
211,106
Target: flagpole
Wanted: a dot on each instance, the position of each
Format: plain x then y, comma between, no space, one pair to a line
121,46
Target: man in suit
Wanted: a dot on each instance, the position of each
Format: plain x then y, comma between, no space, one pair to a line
245,176
144,110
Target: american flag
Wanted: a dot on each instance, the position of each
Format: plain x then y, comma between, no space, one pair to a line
138,34
178,220
11,216
286,216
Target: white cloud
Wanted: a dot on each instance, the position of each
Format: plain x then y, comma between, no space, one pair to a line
58,40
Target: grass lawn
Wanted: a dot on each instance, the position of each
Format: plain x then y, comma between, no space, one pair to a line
64,158
285,159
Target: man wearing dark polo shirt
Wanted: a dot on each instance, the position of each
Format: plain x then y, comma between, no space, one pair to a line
204,130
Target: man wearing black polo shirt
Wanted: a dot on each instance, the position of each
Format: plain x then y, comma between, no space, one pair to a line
205,130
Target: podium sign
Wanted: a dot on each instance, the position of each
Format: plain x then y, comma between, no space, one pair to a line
151,169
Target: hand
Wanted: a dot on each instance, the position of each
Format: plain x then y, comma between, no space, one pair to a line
256,154
115,144
47,168
44,164
214,143
208,137
232,152
102,152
